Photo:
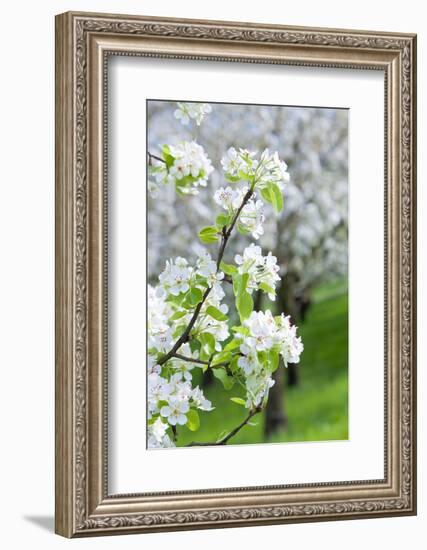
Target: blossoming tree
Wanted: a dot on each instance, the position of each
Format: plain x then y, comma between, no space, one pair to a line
189,325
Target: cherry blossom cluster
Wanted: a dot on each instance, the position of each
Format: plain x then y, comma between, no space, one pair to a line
180,283
171,397
170,394
242,165
264,339
262,270
184,165
251,217
192,111
171,400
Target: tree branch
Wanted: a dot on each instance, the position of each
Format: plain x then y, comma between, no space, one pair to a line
225,236
226,438
227,232
151,156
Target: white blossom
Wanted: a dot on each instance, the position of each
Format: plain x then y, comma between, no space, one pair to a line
205,266
249,363
266,332
195,111
224,197
185,164
154,443
162,340
181,389
286,338
152,366
200,400
175,411
241,165
252,217
157,429
261,269
174,279
158,389
238,163
271,170
158,311
257,388
261,329
182,369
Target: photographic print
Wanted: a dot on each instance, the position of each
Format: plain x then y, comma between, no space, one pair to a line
247,270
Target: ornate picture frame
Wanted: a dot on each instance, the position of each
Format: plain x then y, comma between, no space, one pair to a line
84,42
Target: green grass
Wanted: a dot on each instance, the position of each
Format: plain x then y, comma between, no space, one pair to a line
317,408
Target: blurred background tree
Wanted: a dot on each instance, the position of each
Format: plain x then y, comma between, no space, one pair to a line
309,238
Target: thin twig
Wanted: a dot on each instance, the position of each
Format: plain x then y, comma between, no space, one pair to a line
226,438
175,433
191,360
224,364
151,156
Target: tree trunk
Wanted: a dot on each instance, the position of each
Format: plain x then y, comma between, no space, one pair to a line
287,303
207,379
275,417
293,375
275,414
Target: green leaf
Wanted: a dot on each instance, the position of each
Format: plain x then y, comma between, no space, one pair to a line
233,344
233,366
228,269
276,197
193,420
195,296
178,315
238,400
208,234
237,283
232,179
195,345
222,220
207,339
241,330
179,330
243,175
242,229
205,353
244,284
245,305
266,288
265,194
216,314
209,229
176,300
222,357
167,157
227,381
273,358
240,283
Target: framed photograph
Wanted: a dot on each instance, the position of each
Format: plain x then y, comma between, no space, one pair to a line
235,274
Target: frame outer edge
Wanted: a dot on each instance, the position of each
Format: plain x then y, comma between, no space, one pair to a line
413,252
64,276
73,517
